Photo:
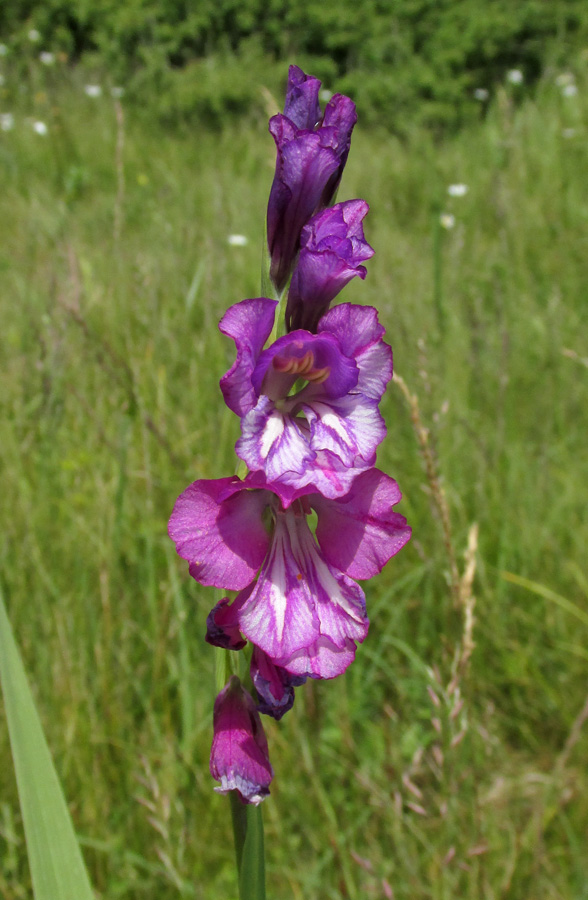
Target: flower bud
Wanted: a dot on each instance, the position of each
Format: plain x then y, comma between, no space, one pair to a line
332,248
311,155
239,758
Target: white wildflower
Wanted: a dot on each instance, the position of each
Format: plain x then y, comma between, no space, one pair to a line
3,49
40,128
447,220
34,35
481,94
515,76
457,190
93,90
569,90
6,121
237,240
325,95
47,58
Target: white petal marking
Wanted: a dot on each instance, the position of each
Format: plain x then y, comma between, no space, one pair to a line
278,592
332,421
273,430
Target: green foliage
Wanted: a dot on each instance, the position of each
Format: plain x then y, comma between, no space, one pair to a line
400,60
114,272
57,867
211,90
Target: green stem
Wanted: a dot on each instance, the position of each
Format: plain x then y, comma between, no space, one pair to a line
249,849
221,668
239,819
279,328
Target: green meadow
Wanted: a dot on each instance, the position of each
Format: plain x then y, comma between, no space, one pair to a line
450,760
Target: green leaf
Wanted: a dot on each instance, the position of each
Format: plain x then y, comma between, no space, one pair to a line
57,868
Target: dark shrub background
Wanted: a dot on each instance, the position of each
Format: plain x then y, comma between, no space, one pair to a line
403,61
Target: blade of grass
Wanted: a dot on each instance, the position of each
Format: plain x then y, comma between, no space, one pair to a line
547,594
57,867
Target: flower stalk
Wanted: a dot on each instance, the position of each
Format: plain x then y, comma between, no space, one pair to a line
249,848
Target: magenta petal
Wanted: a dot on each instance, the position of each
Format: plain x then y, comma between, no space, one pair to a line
360,336
323,659
217,526
350,428
286,493
340,226
341,115
337,373
317,279
332,248
302,612
239,757
302,106
359,533
273,442
249,324
330,476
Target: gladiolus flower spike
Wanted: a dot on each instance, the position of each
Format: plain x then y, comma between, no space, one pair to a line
312,516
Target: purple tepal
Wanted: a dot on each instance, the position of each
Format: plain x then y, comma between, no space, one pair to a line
274,686
332,248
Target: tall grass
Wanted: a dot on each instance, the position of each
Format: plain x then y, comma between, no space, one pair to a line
424,772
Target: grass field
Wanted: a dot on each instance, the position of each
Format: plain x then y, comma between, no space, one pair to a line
421,773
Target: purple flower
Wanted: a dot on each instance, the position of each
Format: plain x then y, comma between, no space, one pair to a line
220,629
239,758
323,433
302,104
274,686
298,602
332,246
311,156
